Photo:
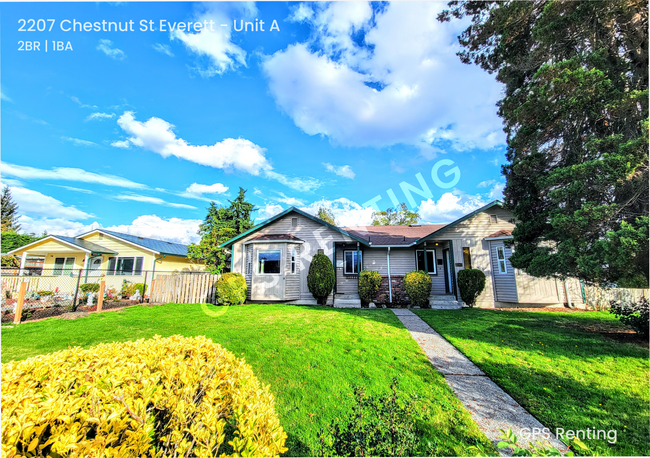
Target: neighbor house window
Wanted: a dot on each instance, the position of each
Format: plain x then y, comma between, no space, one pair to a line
501,259
467,258
125,265
494,219
293,261
431,261
352,260
269,262
63,266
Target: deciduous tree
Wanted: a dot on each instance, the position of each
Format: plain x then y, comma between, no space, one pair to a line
401,216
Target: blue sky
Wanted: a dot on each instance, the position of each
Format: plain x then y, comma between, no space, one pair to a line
139,130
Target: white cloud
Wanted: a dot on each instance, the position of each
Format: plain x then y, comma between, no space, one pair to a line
163,49
106,46
494,162
217,53
78,141
68,174
124,144
496,193
34,203
152,200
99,116
301,13
71,188
196,188
341,170
449,207
82,105
404,84
291,201
4,97
172,230
486,183
257,191
10,182
346,211
157,135
268,211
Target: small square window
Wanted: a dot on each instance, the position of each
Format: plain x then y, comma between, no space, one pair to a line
294,222
321,251
494,219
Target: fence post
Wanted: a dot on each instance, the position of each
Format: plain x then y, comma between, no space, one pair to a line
100,299
144,287
153,284
19,305
76,292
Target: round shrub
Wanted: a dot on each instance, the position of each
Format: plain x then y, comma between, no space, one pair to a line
231,289
169,396
89,287
369,283
634,314
471,283
321,278
418,287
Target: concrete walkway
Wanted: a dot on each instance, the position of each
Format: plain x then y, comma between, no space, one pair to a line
491,408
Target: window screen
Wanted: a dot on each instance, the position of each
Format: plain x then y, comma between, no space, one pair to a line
431,261
269,262
351,259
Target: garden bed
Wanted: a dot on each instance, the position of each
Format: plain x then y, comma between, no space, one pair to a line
34,312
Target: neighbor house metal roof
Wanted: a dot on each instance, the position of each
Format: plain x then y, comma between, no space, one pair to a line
394,235
161,246
88,246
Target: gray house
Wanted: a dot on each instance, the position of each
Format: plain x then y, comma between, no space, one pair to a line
275,255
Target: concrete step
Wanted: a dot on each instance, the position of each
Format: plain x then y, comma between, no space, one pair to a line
354,297
446,306
347,304
442,297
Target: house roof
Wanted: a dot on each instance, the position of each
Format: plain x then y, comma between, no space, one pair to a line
160,246
276,237
500,234
393,235
284,213
88,246
75,242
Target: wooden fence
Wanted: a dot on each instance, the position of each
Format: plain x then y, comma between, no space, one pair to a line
185,288
598,298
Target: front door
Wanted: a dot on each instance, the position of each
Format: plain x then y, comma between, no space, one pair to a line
95,267
269,272
447,267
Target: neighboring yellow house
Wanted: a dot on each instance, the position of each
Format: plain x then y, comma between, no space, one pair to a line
112,255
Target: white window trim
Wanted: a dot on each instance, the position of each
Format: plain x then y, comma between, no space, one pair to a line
294,260
259,265
117,260
345,272
502,250
63,271
434,260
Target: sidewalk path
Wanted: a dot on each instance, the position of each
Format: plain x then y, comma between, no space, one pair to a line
491,408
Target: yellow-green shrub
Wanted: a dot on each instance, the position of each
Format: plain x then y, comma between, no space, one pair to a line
231,289
418,287
175,396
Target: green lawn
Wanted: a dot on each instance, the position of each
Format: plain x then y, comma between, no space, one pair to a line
310,356
560,369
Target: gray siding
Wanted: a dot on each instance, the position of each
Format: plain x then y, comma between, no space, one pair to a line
505,285
292,285
349,284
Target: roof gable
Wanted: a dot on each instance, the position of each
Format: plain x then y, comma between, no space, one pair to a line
284,213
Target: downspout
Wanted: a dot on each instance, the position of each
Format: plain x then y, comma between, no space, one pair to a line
390,287
154,264
336,271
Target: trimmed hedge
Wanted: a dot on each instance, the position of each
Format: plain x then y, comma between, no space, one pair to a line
418,287
231,289
321,278
634,314
369,283
471,283
89,287
180,396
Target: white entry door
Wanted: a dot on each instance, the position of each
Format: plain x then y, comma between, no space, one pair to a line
95,267
269,272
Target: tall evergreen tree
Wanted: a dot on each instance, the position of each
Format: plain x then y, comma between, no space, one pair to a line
575,111
399,216
220,225
9,220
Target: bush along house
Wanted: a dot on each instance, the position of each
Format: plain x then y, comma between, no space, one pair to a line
274,257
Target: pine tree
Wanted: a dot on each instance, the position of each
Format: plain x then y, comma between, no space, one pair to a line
9,212
220,225
575,111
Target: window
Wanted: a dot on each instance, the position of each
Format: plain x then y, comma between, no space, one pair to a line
269,262
352,260
34,266
494,219
125,266
63,266
294,222
501,259
467,258
293,261
431,260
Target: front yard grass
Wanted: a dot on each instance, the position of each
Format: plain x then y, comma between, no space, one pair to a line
310,356
560,369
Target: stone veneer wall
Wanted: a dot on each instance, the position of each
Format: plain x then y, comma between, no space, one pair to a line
399,291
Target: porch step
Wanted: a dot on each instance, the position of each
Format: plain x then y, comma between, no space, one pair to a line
347,301
442,297
444,302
